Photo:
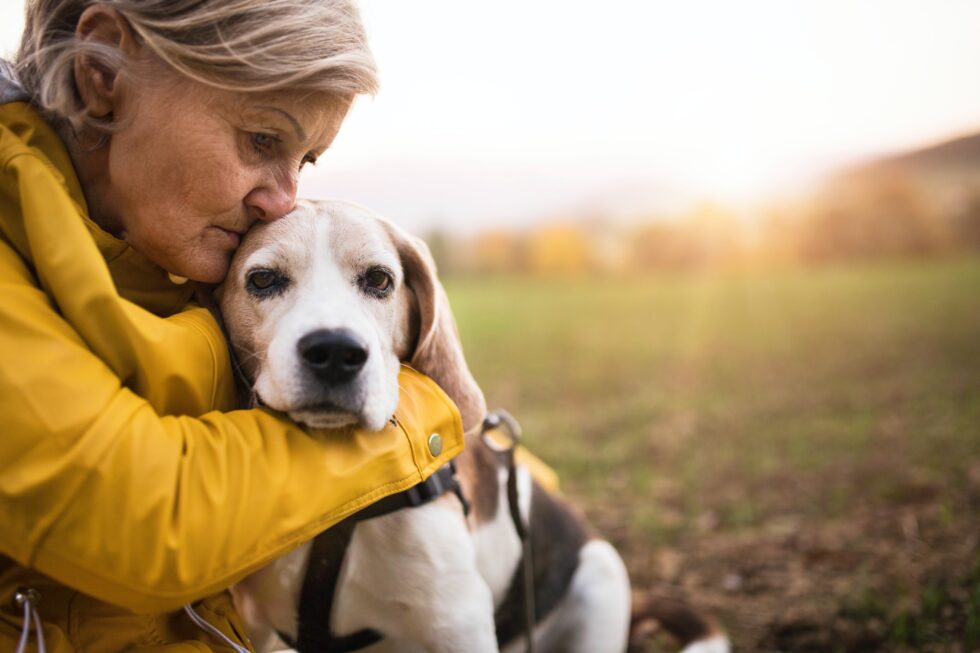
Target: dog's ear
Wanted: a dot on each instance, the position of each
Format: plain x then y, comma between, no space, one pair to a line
437,351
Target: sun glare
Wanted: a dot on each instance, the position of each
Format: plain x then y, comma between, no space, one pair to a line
716,100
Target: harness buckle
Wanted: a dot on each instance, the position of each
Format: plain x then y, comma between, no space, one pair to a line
426,491
442,481
503,423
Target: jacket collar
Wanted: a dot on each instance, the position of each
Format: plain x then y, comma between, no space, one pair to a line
137,279
10,90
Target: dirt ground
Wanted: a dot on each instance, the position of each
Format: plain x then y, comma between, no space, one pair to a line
896,579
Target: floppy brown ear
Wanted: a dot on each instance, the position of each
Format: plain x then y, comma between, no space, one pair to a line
437,352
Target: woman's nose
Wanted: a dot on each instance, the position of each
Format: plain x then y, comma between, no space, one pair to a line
273,201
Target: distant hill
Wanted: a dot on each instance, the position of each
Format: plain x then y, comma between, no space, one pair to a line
922,202
954,157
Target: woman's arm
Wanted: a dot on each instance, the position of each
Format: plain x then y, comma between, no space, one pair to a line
103,494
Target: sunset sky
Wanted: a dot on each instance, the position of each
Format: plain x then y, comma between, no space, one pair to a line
495,113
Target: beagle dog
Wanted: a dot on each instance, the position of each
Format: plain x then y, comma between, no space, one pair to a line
322,308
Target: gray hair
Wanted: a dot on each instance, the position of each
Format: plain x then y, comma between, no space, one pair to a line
236,45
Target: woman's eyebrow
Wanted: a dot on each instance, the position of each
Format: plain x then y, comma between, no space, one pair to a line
299,128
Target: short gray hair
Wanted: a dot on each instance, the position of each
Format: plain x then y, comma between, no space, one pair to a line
235,45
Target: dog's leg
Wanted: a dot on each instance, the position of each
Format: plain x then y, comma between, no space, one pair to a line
268,599
600,597
412,576
594,616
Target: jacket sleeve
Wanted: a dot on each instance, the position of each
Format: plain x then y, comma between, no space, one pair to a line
150,512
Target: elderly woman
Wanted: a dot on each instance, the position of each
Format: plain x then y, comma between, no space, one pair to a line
139,142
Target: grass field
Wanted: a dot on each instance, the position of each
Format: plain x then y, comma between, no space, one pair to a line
798,451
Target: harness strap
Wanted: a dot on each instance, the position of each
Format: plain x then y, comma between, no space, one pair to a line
504,421
428,490
326,560
527,564
317,594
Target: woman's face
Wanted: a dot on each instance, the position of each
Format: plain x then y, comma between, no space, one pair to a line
192,168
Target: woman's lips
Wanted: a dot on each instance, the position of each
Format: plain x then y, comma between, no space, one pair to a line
233,237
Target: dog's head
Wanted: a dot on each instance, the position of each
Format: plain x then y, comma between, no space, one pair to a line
323,306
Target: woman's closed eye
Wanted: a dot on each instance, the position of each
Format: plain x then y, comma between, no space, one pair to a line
269,145
264,143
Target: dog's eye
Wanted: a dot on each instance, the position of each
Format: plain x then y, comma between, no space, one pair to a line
262,279
263,282
378,280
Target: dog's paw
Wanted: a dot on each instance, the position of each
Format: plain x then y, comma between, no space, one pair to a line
714,644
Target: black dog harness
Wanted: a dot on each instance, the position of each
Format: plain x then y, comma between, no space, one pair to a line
326,559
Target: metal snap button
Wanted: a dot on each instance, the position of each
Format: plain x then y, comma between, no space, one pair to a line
435,444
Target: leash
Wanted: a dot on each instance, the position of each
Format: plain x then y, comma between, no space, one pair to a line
502,421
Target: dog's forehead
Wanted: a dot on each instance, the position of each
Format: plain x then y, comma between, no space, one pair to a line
276,242
354,235
350,234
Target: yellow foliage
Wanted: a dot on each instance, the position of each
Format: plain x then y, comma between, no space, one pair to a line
497,251
559,249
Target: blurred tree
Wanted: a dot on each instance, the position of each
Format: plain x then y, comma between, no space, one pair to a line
559,249
778,236
659,246
882,215
497,252
966,220
444,250
708,237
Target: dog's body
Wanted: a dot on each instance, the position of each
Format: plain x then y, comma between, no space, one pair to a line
322,307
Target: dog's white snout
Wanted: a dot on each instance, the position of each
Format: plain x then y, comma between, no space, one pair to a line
332,355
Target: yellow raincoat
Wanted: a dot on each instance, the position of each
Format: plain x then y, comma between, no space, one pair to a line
129,485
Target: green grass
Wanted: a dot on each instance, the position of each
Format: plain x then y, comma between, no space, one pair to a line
683,407
748,395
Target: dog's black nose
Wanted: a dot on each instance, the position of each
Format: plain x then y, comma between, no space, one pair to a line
333,355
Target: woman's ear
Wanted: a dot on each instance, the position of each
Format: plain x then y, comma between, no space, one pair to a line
107,41
437,352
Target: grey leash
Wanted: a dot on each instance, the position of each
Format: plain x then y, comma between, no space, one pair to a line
502,420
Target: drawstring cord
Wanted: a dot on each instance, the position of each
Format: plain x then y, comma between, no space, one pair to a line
28,599
204,625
